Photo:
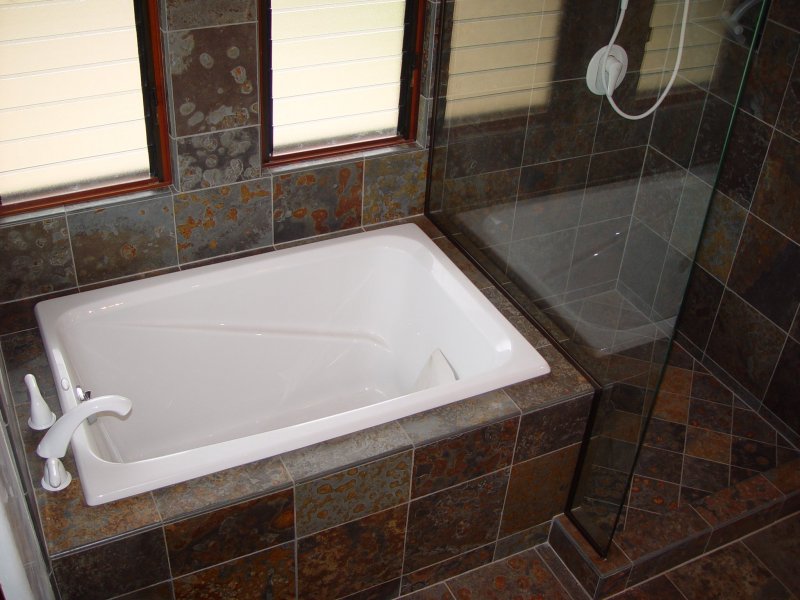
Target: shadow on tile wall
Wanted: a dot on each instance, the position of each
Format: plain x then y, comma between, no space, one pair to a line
741,318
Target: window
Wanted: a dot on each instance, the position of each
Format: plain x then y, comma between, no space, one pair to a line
339,73
77,102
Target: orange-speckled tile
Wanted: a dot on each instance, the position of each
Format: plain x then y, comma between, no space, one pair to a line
68,522
710,445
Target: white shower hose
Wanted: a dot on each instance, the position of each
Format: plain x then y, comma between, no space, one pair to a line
610,88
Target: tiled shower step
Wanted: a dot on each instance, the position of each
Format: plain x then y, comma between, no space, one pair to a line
653,543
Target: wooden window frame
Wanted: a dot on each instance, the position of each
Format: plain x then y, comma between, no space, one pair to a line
410,78
154,97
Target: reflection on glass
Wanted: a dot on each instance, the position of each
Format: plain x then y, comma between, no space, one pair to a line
590,221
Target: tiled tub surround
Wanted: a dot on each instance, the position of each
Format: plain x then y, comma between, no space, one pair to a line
381,512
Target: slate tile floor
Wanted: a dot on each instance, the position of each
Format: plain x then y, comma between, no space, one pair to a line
762,565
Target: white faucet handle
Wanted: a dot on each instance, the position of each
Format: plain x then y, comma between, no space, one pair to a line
41,416
55,476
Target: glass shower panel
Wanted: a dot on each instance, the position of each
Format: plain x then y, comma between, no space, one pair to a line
588,220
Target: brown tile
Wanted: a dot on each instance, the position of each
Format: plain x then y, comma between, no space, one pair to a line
521,575
561,572
753,455
671,407
740,509
351,557
527,505
522,540
778,547
114,568
436,592
710,415
748,424
351,494
454,521
589,568
731,572
552,428
161,591
710,445
646,533
653,495
704,474
231,532
447,569
394,186
382,591
677,381
266,574
772,199
660,464
659,588
463,457
665,436
708,387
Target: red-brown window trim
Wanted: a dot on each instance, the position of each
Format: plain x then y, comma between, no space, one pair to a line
415,18
150,45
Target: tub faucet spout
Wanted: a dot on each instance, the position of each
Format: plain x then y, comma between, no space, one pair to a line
54,444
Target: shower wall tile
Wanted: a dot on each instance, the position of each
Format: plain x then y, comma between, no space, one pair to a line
554,212
769,73
688,227
214,78
317,201
457,459
785,12
537,180
710,139
549,272
659,194
676,123
643,261
36,259
266,574
455,520
766,274
789,117
228,533
672,284
776,195
218,158
122,240
113,569
745,154
745,344
782,397
394,186
188,14
351,557
489,151
224,220
485,189
598,253
725,223
353,493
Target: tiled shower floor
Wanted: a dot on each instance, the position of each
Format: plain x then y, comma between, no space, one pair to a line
762,565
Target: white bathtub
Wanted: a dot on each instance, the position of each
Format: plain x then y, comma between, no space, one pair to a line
235,362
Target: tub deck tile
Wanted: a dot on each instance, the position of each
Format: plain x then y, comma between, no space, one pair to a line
221,488
455,418
340,453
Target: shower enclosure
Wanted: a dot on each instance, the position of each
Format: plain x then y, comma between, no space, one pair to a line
589,221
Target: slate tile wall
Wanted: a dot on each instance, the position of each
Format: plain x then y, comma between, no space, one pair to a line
741,314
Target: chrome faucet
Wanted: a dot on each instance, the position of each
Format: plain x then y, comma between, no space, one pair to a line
54,444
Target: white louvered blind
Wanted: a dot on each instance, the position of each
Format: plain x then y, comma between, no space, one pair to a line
502,56
71,112
336,68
